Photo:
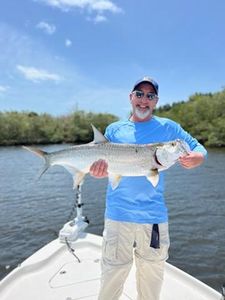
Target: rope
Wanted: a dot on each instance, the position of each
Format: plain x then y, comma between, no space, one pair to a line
72,251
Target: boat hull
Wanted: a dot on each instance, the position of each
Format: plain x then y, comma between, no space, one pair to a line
53,273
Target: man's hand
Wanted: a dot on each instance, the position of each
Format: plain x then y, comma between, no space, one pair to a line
191,160
99,169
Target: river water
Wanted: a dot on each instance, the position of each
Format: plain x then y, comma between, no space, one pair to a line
33,211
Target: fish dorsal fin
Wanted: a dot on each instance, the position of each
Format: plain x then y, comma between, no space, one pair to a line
98,136
114,180
153,177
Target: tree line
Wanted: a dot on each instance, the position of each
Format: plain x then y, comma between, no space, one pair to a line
203,115
22,128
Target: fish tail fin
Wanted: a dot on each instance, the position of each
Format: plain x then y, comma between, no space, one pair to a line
42,154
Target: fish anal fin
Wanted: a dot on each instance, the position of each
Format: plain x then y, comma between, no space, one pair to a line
114,180
98,136
78,175
153,177
78,179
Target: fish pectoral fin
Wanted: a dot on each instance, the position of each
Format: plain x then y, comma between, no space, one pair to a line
153,177
98,136
114,180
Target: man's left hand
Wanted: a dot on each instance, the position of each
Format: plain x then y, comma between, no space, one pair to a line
191,160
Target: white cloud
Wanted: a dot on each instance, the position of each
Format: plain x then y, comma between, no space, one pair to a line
68,43
36,75
46,27
3,88
104,5
98,6
100,19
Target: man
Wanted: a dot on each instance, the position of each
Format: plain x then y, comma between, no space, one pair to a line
136,219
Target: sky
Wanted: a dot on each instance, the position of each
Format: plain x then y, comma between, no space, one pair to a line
57,56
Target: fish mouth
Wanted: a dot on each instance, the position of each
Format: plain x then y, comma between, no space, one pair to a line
184,147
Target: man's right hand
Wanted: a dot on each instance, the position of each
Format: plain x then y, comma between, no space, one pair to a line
99,169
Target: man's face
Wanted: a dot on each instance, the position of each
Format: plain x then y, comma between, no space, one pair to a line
142,107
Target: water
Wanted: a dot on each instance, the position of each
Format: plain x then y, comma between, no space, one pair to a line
32,212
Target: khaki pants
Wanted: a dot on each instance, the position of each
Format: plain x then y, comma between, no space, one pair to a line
120,241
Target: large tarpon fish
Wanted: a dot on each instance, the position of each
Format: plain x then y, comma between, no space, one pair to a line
123,159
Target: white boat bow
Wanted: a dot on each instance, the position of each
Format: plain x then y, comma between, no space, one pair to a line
68,268
54,273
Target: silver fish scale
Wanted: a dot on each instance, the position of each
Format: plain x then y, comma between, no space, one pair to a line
123,159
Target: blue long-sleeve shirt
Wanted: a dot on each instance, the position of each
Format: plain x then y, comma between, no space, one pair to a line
135,199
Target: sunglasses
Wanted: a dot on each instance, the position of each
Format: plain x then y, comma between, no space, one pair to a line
140,95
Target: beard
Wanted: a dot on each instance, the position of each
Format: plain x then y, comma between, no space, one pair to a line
142,114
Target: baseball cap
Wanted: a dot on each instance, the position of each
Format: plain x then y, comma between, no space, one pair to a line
148,80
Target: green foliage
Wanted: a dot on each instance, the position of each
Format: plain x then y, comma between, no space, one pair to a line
18,128
203,115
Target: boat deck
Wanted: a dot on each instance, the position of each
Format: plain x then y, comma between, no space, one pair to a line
53,273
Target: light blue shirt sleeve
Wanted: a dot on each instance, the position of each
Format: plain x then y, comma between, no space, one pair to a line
192,142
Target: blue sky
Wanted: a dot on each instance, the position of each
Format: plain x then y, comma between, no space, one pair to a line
60,55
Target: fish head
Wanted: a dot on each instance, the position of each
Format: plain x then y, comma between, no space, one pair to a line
168,153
